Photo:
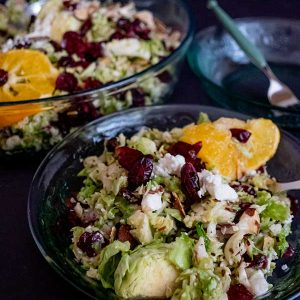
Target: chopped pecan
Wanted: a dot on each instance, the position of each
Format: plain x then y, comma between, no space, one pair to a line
178,204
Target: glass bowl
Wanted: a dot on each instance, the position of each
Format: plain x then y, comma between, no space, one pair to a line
231,81
56,178
61,114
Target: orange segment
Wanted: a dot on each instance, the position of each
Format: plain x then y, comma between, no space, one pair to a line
263,142
10,115
30,76
225,154
218,151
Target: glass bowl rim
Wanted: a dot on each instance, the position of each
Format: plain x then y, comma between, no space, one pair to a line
69,137
208,31
185,42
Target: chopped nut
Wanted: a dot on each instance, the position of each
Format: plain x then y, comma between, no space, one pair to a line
178,205
146,17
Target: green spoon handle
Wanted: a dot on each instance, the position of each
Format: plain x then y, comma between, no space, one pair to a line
252,52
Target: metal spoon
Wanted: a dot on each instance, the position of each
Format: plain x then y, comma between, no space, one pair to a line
278,93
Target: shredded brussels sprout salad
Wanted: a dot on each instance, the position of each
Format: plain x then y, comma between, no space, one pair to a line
153,219
77,45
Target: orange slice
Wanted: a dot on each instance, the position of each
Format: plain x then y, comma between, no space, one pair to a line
218,151
231,158
263,142
30,76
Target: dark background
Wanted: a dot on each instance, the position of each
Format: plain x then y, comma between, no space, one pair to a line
24,274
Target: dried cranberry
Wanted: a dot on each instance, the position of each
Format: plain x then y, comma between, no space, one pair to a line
90,241
124,234
71,216
83,63
138,97
87,111
91,83
94,50
66,61
165,77
244,206
56,46
250,211
22,44
112,144
185,149
128,156
248,189
124,24
259,262
294,204
239,292
190,181
261,170
66,82
71,202
69,4
3,77
289,252
77,115
140,29
189,152
117,35
140,172
242,135
129,196
74,44
85,27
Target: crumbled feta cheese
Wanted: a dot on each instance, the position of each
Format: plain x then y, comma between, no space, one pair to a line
258,283
78,209
200,251
152,201
169,165
127,47
253,280
212,183
252,173
276,229
12,142
284,267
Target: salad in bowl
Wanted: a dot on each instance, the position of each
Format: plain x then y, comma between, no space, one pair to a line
76,60
185,213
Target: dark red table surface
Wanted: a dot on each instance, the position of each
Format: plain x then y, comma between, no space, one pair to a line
24,274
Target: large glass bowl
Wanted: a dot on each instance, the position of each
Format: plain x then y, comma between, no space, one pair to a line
56,178
231,81
156,83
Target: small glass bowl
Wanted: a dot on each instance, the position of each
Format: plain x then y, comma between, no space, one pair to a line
49,127
228,78
57,177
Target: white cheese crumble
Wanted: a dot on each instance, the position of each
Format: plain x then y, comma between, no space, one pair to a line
276,229
169,165
253,280
127,47
212,183
284,267
200,251
258,283
152,201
